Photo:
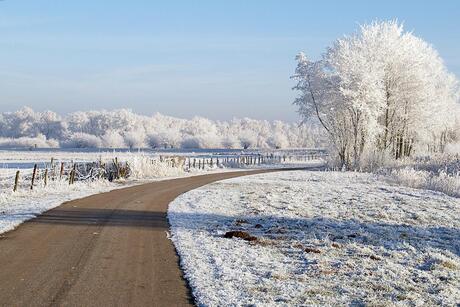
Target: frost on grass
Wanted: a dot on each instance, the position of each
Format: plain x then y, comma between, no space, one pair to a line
323,238
438,173
15,208
24,204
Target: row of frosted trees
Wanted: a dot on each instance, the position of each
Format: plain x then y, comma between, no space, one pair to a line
379,94
123,128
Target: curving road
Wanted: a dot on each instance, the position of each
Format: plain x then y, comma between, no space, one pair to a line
108,249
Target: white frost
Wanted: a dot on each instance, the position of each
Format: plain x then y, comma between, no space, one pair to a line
377,243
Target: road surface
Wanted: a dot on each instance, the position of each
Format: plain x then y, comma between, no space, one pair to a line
109,249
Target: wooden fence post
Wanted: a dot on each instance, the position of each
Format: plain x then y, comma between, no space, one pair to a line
62,171
33,177
46,177
72,174
16,181
117,169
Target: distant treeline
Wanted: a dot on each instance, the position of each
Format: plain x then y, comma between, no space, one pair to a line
124,129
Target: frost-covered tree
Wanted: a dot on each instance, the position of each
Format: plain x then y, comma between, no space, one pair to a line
113,139
82,140
201,132
278,141
279,138
381,92
51,125
320,101
248,139
231,141
155,140
135,139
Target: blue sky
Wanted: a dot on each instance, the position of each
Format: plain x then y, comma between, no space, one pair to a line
219,59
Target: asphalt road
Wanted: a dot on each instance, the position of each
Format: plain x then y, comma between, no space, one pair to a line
109,249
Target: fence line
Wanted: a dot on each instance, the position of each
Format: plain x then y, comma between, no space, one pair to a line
71,172
249,159
112,170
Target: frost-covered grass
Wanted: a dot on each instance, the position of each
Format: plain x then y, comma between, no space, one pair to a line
25,204
17,207
324,238
280,165
438,173
12,158
440,181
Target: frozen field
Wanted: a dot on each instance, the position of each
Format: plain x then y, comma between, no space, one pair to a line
16,207
322,238
20,206
24,159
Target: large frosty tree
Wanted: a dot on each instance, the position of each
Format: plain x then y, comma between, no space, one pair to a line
381,92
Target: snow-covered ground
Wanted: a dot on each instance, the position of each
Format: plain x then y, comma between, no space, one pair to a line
437,172
323,238
17,207
26,159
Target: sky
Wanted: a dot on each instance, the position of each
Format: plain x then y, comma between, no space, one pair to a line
217,59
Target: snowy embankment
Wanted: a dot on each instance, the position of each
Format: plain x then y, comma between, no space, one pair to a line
322,238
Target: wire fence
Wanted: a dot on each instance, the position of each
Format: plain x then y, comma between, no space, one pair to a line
247,160
71,172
